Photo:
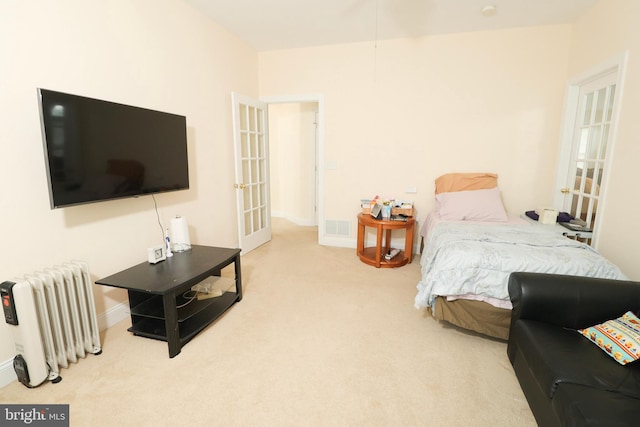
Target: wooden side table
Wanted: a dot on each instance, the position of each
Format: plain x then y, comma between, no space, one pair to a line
374,255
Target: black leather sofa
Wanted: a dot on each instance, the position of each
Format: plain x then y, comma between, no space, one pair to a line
568,380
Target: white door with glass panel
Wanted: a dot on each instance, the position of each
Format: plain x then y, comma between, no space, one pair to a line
590,144
252,171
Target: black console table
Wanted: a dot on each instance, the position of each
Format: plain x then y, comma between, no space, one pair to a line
156,291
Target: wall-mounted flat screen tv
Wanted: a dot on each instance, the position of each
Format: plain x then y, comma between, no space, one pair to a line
98,150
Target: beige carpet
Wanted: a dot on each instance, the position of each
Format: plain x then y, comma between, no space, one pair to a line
320,339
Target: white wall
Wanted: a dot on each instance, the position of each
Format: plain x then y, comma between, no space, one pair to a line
610,28
401,114
155,54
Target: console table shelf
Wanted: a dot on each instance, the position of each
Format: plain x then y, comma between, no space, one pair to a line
159,309
148,317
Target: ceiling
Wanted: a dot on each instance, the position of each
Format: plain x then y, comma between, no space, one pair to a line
287,24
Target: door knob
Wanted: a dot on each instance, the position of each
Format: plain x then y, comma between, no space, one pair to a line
564,190
240,186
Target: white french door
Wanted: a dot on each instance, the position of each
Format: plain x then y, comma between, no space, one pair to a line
589,151
591,115
251,144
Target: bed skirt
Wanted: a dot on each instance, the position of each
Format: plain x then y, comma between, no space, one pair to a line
476,316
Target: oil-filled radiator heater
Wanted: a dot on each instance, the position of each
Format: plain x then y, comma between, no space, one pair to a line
53,321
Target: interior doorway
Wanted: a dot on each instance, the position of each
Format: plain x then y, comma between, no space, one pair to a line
296,160
293,152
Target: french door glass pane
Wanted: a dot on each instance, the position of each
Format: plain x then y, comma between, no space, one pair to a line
254,170
256,220
259,123
263,215
254,145
594,143
261,152
246,196
582,145
610,105
246,177
252,119
248,230
254,196
601,95
244,144
587,110
605,139
243,116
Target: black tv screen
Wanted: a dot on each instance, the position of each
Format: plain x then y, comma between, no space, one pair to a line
98,150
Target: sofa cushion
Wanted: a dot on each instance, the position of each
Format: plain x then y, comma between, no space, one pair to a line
556,355
578,405
618,338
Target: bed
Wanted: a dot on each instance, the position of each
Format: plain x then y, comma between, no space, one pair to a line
471,246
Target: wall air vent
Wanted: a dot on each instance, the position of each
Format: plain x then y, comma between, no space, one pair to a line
338,228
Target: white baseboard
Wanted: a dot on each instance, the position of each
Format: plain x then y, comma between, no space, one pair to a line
303,222
352,243
105,321
114,315
7,374
337,242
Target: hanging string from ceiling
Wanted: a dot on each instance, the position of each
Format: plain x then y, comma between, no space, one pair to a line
375,42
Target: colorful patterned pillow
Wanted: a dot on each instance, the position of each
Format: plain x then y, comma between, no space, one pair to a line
619,338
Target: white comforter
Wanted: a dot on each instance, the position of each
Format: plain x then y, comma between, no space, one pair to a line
461,260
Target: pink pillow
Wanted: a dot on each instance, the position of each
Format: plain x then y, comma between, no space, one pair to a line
475,205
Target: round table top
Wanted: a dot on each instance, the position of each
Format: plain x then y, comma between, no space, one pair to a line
367,219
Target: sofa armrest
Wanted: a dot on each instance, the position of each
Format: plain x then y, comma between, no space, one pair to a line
570,301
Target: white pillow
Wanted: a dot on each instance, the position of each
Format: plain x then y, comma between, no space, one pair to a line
475,205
